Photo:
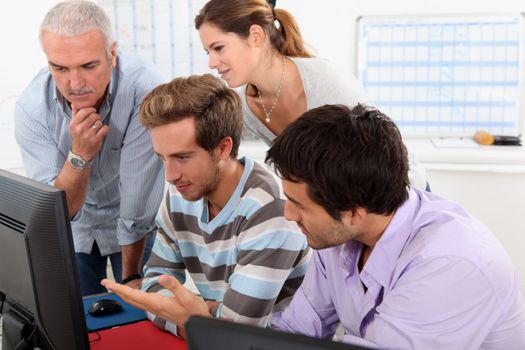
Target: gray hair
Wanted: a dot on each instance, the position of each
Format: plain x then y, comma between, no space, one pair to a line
71,18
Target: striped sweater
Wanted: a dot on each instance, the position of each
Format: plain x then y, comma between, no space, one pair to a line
249,257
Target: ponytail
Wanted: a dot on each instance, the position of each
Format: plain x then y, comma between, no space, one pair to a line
237,16
289,41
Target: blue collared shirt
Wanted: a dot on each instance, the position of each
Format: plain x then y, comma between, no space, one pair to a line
436,279
126,182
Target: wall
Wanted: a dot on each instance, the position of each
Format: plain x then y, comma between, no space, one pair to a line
22,57
321,19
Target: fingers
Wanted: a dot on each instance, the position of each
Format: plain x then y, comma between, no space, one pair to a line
125,292
212,306
96,125
135,284
86,120
168,308
183,296
131,296
171,283
105,283
87,132
191,302
82,114
91,124
152,302
102,132
114,287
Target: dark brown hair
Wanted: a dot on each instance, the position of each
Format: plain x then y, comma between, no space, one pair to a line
216,108
237,16
348,158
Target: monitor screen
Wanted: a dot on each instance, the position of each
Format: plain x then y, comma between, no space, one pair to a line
204,333
42,304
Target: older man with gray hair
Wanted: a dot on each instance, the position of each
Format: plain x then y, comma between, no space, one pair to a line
77,125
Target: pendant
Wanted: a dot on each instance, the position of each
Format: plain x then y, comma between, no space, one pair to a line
267,120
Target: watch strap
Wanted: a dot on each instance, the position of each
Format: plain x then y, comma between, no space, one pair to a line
130,278
78,162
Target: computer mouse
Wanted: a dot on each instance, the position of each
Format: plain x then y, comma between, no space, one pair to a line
104,307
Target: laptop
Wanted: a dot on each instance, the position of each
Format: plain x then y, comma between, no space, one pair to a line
203,333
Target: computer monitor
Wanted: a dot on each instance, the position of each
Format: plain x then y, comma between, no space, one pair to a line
39,287
204,333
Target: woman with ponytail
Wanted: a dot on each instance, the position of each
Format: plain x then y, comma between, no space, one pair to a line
258,50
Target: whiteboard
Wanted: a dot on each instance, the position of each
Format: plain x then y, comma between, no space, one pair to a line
161,31
445,75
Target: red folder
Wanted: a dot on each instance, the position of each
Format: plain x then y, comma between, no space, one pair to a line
136,336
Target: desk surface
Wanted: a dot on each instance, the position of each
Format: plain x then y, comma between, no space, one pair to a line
126,330
136,336
427,152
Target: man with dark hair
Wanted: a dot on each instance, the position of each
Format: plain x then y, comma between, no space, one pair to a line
222,218
395,266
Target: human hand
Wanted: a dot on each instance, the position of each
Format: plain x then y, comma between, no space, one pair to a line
135,284
176,309
212,306
87,132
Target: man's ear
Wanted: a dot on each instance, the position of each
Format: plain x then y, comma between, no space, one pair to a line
224,148
257,35
353,218
114,54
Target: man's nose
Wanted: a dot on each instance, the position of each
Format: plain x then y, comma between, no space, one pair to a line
76,80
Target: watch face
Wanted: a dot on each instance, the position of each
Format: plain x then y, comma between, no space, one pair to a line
78,163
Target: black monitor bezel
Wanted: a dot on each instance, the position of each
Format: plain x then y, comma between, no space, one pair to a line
58,318
219,334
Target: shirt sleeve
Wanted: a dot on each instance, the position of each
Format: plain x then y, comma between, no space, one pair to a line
40,154
271,252
442,303
165,259
141,172
311,311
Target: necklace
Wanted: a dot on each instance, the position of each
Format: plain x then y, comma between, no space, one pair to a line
269,113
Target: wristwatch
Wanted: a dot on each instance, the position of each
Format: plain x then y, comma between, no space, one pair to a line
77,162
130,278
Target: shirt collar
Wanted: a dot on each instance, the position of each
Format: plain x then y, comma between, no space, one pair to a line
348,254
383,260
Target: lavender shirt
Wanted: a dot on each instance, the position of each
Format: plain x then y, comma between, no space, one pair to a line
436,279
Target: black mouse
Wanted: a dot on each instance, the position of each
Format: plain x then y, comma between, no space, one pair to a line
104,307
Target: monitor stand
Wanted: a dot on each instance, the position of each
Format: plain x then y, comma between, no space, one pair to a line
17,332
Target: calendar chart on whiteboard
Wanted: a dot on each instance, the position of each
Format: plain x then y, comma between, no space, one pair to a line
161,31
443,75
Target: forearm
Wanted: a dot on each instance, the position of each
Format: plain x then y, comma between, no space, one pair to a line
132,257
306,315
163,262
75,183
